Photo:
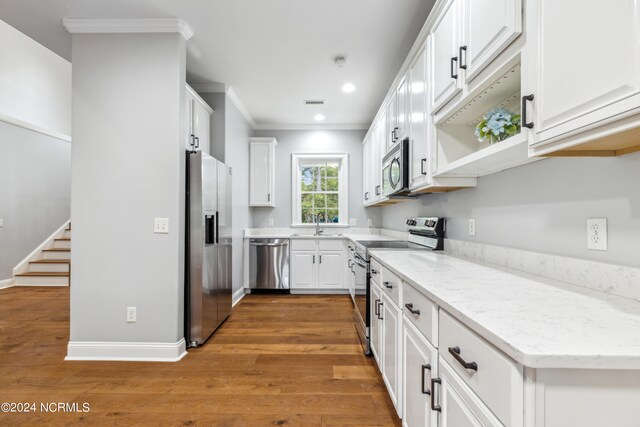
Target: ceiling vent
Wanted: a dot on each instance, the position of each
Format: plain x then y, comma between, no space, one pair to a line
314,102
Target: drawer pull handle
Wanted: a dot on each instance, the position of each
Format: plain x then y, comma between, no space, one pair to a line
387,285
376,310
374,271
435,407
455,352
411,309
426,367
380,310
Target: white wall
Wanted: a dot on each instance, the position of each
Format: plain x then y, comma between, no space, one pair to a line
544,207
128,167
35,84
311,141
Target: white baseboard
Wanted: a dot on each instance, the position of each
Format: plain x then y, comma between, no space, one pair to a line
237,296
6,283
319,291
126,351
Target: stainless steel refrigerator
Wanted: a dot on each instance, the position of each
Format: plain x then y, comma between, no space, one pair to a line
208,251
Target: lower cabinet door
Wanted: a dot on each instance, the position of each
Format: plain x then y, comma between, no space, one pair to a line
303,270
330,265
391,327
459,405
375,326
419,365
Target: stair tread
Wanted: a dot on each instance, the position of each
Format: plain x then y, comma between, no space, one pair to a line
44,274
63,238
50,261
57,250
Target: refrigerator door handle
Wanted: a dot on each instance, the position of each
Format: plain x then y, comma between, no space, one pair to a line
217,227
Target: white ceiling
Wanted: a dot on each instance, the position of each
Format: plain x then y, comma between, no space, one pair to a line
273,53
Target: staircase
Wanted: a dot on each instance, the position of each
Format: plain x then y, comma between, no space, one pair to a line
52,268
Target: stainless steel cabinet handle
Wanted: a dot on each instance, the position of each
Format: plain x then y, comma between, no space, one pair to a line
455,352
320,259
453,67
463,49
422,164
435,407
314,259
426,367
411,309
380,310
377,190
268,197
377,309
524,111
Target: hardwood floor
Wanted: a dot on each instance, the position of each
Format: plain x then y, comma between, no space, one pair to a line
278,360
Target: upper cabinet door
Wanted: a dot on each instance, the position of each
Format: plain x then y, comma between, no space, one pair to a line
262,172
367,173
445,39
582,64
201,127
392,121
489,26
418,120
402,107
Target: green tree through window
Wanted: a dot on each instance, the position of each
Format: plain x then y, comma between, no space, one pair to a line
319,192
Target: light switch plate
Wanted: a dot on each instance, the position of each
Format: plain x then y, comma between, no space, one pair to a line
161,226
597,234
472,227
353,222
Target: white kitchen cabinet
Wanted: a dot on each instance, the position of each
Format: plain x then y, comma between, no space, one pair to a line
391,117
457,405
390,348
367,171
378,152
304,270
488,27
445,47
331,269
584,76
198,136
419,365
402,109
262,173
318,264
375,329
419,122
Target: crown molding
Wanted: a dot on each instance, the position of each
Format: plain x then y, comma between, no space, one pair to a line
240,106
311,127
170,25
210,87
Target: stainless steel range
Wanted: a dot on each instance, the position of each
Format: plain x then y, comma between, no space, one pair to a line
425,233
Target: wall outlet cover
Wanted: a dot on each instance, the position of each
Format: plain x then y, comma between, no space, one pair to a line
353,222
472,227
131,315
597,234
161,225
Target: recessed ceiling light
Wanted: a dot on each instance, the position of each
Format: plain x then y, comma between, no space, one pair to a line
318,117
348,88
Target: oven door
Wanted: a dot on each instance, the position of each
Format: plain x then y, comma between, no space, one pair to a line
361,300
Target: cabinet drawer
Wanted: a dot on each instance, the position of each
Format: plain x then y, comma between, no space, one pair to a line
376,271
391,285
330,245
421,311
303,245
497,380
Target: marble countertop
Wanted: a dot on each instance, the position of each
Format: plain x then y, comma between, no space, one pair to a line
539,322
330,235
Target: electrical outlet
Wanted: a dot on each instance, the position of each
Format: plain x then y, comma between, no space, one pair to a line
271,222
353,222
597,234
131,315
161,226
472,227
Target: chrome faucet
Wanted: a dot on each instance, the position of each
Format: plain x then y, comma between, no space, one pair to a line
318,229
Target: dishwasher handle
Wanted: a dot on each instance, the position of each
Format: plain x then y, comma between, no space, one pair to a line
268,244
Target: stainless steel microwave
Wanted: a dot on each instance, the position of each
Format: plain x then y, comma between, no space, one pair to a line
395,170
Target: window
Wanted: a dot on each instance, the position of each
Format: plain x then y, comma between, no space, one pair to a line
319,189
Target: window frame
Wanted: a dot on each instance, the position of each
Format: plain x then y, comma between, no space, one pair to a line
343,187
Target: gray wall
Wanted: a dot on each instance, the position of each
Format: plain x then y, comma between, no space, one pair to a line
310,141
128,167
544,207
230,134
35,189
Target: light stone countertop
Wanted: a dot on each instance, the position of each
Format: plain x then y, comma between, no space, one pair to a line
541,323
285,234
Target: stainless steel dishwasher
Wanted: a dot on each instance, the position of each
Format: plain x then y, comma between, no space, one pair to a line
269,265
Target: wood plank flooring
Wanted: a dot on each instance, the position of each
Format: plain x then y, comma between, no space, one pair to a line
278,360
